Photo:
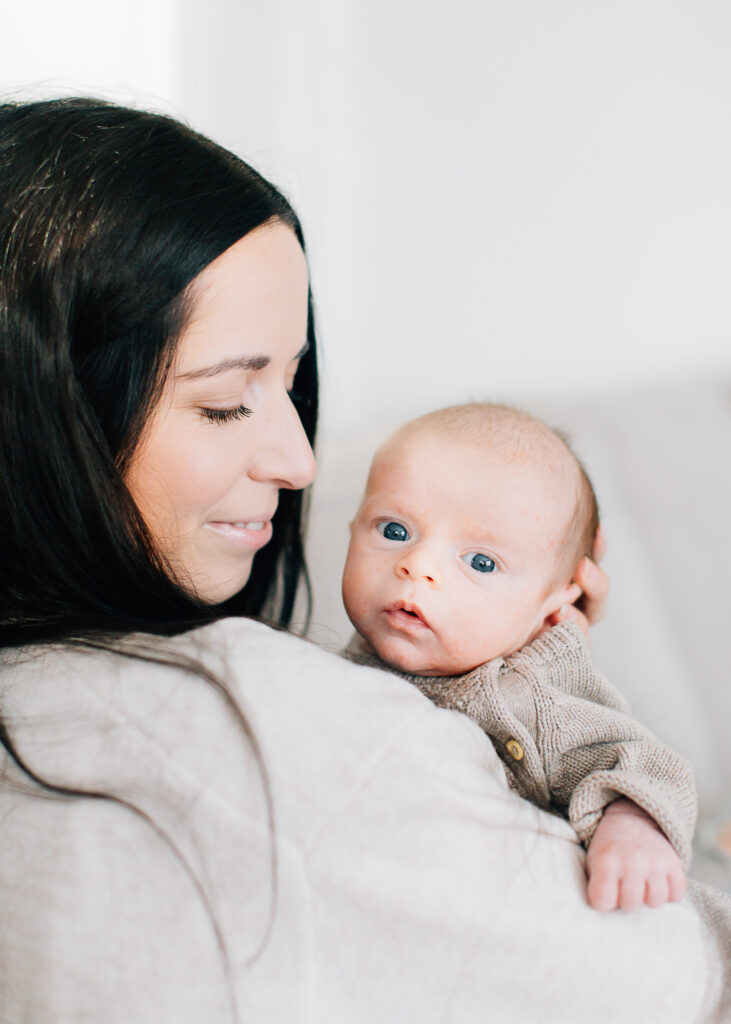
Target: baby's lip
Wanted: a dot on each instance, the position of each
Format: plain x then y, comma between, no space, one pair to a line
406,616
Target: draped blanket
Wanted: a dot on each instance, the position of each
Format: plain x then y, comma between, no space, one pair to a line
399,879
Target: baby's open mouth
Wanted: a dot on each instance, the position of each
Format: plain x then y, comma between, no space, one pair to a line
406,617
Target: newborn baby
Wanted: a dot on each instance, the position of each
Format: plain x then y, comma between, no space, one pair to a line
462,553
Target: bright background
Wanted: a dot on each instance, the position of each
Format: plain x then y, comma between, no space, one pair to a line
518,201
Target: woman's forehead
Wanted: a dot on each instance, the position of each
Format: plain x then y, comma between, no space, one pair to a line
250,300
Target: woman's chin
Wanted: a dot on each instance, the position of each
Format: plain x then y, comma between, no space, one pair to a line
214,589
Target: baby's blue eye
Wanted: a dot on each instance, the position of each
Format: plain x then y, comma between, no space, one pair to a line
480,563
393,531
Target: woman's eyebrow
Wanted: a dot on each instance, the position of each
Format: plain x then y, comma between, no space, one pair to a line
242,363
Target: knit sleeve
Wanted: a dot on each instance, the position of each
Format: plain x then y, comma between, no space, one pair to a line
593,751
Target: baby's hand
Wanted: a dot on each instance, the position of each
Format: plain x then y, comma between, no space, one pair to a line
630,862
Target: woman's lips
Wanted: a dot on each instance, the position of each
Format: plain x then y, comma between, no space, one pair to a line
250,535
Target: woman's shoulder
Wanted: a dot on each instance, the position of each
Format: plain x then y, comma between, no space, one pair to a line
145,677
193,765
211,708
327,726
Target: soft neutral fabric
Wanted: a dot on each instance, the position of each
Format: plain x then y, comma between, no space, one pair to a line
578,748
412,883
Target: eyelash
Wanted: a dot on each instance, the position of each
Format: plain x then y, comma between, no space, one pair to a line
225,415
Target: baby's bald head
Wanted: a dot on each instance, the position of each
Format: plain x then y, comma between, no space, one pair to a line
466,542
523,441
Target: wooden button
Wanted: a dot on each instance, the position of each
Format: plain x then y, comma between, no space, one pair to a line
515,750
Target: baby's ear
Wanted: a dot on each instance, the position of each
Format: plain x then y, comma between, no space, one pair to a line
563,594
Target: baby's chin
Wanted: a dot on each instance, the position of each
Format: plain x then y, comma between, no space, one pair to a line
406,657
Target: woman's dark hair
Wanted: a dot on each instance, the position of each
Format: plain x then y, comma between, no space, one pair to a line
106,216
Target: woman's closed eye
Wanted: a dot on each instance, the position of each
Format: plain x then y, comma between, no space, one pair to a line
479,562
393,531
225,415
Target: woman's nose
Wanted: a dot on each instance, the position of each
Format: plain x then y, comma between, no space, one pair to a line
420,565
284,456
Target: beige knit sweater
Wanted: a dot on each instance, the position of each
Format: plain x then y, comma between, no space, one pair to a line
565,735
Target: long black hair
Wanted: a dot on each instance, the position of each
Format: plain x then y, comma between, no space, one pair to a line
106,216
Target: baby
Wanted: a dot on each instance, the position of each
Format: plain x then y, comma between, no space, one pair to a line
462,553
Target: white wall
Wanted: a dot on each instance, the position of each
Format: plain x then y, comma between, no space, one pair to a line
127,52
504,200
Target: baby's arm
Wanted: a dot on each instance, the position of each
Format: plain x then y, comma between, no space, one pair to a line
631,800
630,861
568,741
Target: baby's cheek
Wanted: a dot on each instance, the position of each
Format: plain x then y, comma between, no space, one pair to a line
356,596
478,636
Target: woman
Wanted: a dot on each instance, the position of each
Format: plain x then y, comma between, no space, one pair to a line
205,819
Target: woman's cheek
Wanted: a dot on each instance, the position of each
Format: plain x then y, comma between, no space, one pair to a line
206,471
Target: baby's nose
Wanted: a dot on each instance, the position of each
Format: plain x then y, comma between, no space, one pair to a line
418,565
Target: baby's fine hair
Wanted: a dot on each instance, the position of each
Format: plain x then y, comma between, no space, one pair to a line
520,436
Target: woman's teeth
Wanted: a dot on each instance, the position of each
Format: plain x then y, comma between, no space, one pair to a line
249,526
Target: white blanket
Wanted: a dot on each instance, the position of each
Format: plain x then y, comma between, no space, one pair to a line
411,884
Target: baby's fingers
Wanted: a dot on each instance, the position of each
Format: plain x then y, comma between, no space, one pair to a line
631,891
600,545
603,888
570,613
667,888
677,885
658,890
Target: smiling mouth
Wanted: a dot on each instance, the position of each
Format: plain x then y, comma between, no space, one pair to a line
250,535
